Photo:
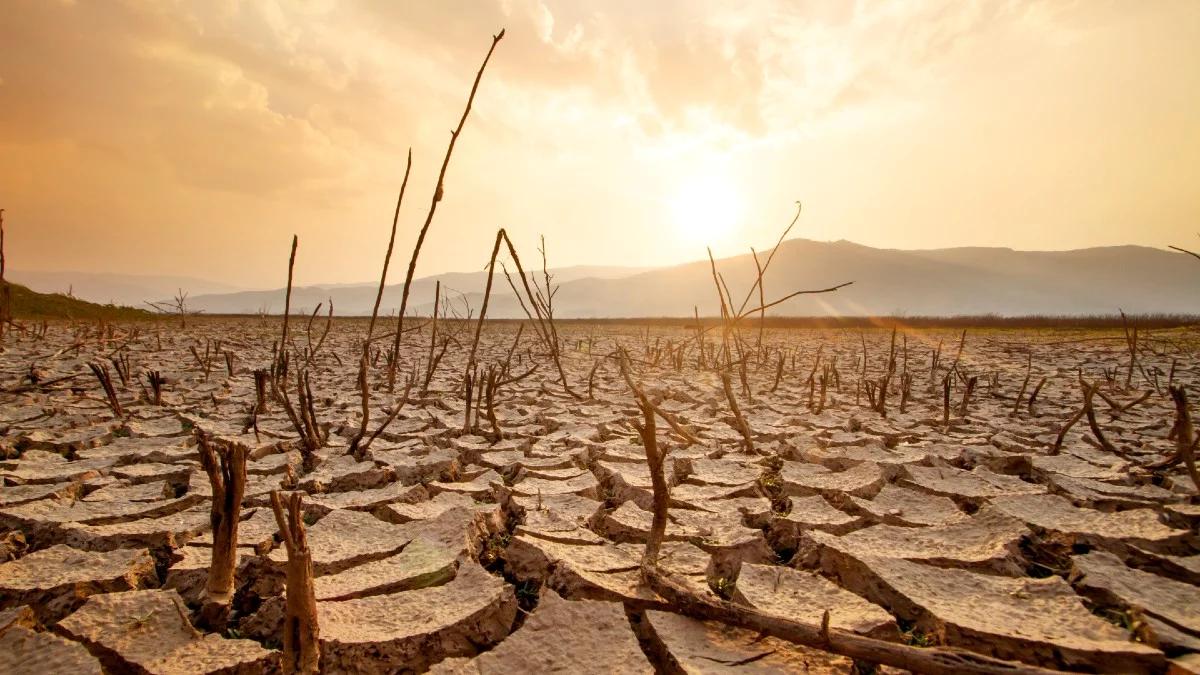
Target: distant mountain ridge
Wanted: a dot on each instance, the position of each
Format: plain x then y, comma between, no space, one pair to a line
934,282
929,282
937,282
358,299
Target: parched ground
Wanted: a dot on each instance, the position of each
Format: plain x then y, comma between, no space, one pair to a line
453,548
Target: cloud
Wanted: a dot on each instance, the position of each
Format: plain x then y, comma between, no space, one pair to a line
273,116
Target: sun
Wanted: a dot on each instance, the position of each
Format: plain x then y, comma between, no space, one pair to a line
705,209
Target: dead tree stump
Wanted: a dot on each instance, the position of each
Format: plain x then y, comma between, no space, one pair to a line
301,646
225,464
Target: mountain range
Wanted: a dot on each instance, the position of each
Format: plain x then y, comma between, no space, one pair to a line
933,282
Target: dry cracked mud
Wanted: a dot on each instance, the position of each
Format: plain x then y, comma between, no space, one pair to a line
457,549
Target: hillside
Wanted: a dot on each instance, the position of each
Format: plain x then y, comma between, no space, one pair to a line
887,282
357,299
117,289
937,282
29,304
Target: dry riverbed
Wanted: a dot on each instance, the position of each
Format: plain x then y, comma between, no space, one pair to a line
465,550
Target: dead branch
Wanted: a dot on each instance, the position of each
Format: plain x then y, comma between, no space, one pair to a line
101,372
387,257
437,197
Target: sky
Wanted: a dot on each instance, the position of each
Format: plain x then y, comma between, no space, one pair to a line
181,137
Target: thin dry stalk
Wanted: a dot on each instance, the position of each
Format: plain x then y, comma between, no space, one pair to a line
437,197
364,392
966,399
1024,385
431,362
400,403
543,326
742,426
262,383
5,290
310,351
101,372
1185,443
654,459
302,416
946,399
156,381
1089,390
287,299
1033,396
387,257
683,432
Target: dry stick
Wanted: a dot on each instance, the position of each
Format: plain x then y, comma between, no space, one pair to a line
387,257
546,324
936,660
1138,401
545,333
287,299
1024,385
437,197
5,289
1131,341
592,379
1184,250
675,424
1185,446
770,257
966,399
303,421
1062,433
743,427
156,381
655,459
364,392
301,634
261,379
946,399
225,464
487,295
1033,396
312,351
789,296
105,378
762,301
512,349
431,364
1112,403
962,341
491,386
779,375
400,403
1090,411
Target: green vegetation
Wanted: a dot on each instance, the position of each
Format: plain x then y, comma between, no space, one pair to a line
29,304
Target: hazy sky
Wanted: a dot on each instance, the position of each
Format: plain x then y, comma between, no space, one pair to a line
194,138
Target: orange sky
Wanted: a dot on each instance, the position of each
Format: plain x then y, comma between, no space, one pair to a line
174,137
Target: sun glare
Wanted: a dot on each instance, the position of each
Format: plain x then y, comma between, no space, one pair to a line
706,209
